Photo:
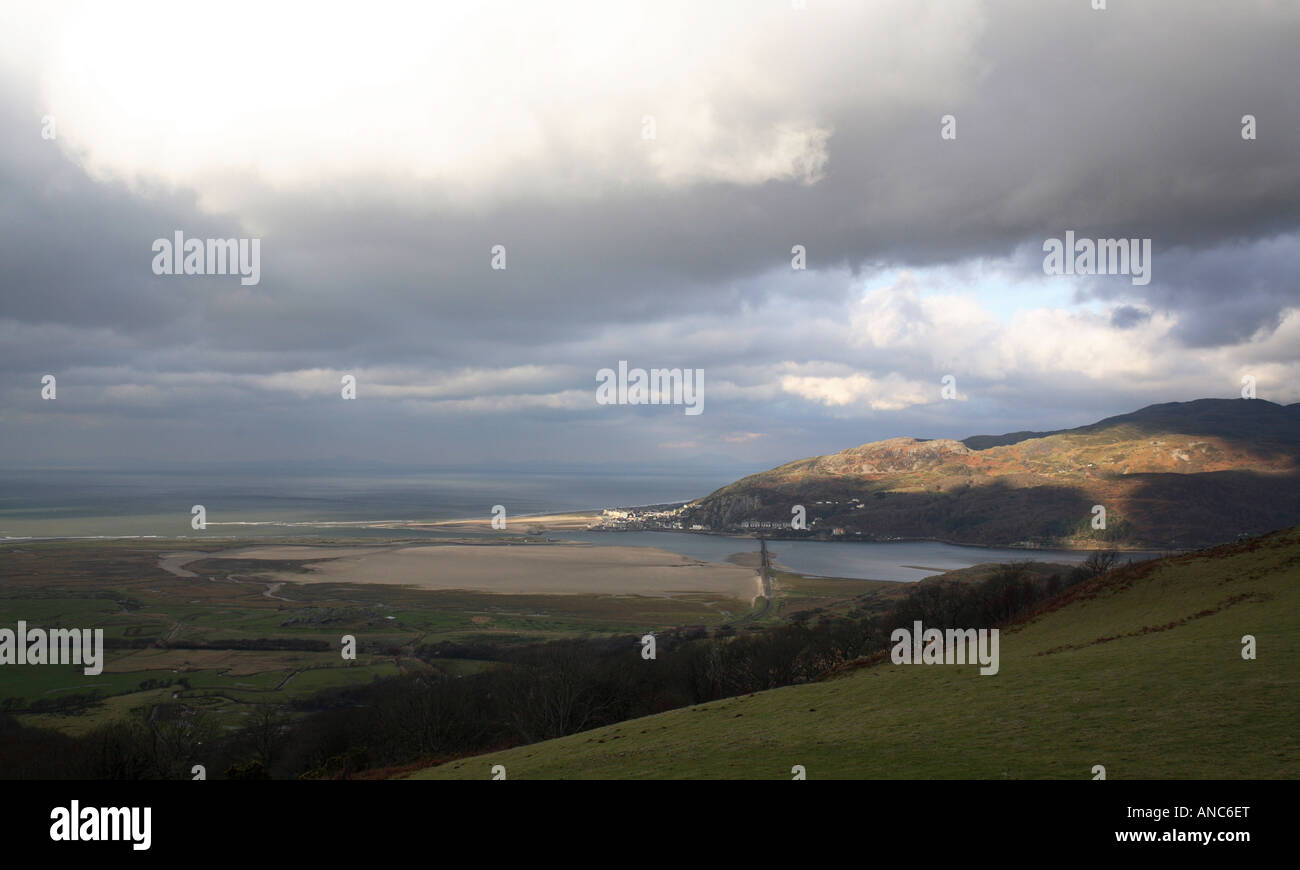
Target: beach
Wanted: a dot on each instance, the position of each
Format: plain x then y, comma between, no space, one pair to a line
524,524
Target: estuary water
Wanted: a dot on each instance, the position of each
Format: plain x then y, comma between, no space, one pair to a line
894,560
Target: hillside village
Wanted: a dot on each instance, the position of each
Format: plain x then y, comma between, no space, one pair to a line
677,518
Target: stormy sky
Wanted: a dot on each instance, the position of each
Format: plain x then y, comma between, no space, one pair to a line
380,153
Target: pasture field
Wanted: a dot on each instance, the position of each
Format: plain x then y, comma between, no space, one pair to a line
232,635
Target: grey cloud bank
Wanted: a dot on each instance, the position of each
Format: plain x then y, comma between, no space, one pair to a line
1122,124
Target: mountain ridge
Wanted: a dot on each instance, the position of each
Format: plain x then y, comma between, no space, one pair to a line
1169,476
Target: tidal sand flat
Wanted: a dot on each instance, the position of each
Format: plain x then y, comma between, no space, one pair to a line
548,569
515,524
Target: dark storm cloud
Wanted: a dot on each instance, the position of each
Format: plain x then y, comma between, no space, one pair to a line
1126,316
1225,294
1117,123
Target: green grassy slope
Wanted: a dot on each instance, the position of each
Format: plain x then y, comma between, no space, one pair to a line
1140,672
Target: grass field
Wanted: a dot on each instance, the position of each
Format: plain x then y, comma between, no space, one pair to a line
1141,672
120,587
